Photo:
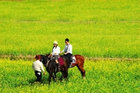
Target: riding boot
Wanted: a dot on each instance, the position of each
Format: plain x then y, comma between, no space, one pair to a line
58,66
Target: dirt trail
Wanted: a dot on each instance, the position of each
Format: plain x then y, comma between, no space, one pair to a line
31,57
12,0
113,59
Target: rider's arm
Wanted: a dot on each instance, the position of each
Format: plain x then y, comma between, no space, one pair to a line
63,50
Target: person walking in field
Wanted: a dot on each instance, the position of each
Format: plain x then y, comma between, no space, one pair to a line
68,51
55,51
38,68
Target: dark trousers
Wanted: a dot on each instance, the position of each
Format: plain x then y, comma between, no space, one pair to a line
38,75
69,55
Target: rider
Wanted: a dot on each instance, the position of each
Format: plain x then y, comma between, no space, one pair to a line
68,50
55,51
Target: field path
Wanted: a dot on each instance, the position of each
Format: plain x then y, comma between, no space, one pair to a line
31,57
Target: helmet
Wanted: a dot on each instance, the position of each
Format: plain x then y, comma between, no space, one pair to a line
55,42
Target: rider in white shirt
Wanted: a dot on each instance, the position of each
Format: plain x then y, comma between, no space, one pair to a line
68,50
55,51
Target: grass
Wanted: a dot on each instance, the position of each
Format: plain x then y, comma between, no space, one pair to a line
96,28
101,76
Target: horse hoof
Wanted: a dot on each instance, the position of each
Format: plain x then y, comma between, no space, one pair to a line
84,78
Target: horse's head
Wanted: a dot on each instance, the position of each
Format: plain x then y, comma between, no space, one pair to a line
37,57
43,58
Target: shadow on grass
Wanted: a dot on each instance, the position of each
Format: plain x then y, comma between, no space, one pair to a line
45,81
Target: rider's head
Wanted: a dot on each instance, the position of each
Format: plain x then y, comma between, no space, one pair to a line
55,43
67,41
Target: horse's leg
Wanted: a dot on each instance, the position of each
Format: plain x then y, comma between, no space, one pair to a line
64,74
81,68
54,76
50,76
61,78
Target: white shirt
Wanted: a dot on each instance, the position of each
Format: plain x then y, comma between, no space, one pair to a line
56,50
38,66
68,49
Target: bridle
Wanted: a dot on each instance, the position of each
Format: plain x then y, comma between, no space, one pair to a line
51,58
48,62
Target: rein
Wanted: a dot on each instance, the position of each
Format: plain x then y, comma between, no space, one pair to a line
48,63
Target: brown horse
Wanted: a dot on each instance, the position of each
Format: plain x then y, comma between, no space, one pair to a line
79,63
48,63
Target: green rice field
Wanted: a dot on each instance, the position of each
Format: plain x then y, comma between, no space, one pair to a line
101,77
96,28
101,29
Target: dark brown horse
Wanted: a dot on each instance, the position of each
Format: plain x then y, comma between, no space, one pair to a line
51,66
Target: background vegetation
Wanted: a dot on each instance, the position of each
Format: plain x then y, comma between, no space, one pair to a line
96,28
101,77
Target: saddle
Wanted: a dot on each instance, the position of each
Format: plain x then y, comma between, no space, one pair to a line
61,61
